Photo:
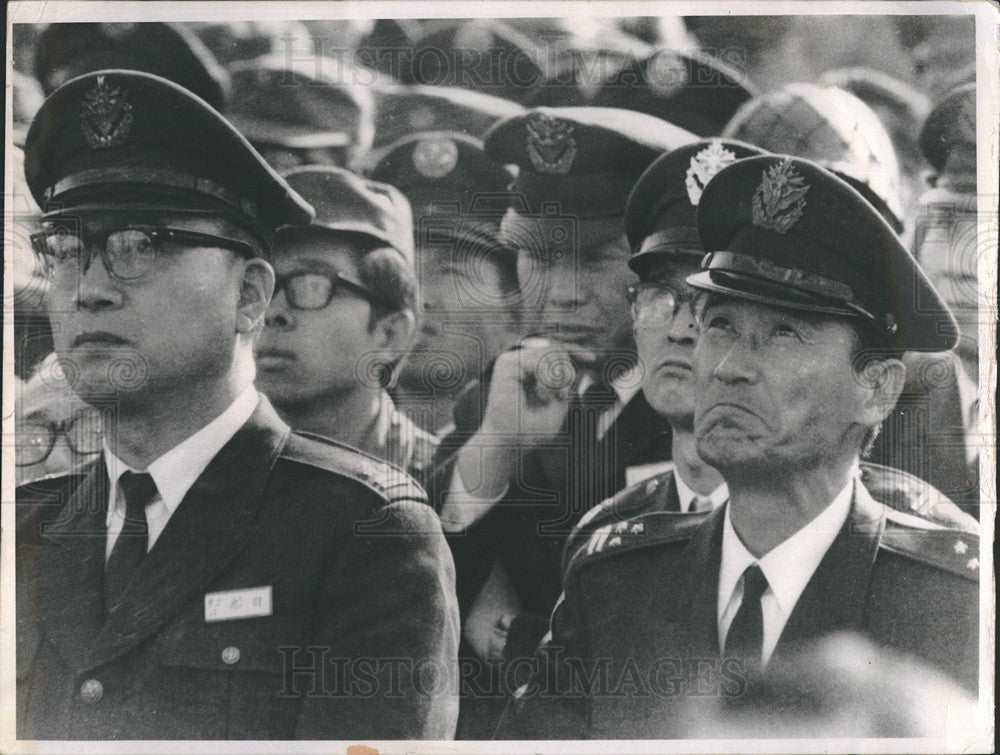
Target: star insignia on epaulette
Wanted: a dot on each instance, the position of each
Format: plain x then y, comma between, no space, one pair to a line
551,145
973,564
105,115
703,166
780,198
435,157
651,486
961,547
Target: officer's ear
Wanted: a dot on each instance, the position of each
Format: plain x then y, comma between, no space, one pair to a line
256,289
882,379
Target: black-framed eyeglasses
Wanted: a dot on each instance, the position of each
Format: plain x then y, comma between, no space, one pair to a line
35,440
659,301
128,253
314,289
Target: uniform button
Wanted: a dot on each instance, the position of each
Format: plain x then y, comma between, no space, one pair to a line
91,691
230,655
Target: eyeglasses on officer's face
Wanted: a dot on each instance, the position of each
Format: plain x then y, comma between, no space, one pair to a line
128,253
315,289
658,301
36,439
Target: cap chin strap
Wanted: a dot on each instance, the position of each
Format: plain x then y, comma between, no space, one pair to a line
837,295
678,240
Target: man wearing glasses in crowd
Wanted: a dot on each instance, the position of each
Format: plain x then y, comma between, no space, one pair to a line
343,316
200,577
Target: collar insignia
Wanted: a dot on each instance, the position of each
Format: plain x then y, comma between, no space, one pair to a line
435,157
703,166
780,198
105,115
551,145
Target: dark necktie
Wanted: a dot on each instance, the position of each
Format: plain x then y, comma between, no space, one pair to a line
133,541
746,634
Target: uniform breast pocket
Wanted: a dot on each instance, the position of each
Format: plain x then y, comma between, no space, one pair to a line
237,673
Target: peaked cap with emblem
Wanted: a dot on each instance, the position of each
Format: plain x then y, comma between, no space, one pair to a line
301,104
66,51
829,126
661,215
441,168
128,139
585,159
948,140
347,202
400,110
786,232
687,88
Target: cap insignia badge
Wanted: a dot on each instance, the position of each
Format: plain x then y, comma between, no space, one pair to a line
780,198
435,157
703,166
551,145
106,115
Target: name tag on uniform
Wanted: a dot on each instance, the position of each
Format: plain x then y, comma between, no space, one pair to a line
238,604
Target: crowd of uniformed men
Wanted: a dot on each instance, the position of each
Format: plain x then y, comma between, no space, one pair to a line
678,352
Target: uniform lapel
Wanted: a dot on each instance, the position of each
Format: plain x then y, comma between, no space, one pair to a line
71,569
835,598
204,534
700,612
670,499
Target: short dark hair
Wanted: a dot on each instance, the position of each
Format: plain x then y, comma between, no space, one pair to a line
391,279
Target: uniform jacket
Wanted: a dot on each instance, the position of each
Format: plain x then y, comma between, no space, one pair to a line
893,487
635,631
362,585
527,530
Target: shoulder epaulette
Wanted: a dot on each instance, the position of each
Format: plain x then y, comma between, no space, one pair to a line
625,504
643,531
903,491
388,480
952,550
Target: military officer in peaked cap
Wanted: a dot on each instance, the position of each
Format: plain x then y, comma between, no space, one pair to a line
661,224
924,435
305,111
65,51
202,576
468,278
795,368
554,425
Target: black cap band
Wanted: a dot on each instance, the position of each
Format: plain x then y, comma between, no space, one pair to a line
673,241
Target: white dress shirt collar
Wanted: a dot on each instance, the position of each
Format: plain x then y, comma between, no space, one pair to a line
685,495
175,471
788,567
